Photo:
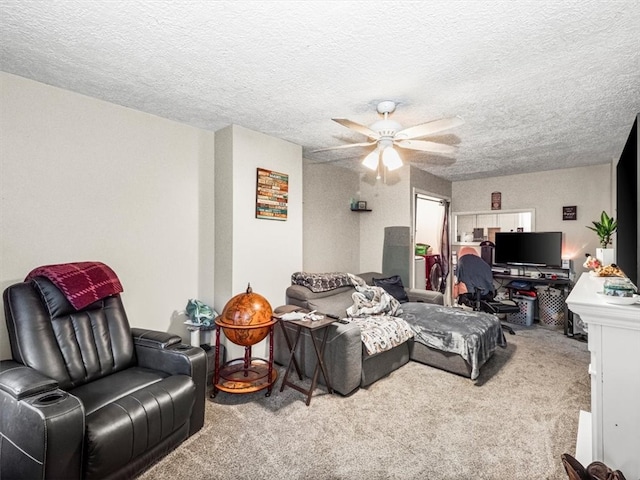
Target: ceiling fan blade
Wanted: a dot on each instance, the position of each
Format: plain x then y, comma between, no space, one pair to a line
428,128
349,145
357,127
425,146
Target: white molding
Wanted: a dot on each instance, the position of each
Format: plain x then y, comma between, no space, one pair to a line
614,338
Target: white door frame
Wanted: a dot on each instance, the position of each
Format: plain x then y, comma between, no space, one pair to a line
436,198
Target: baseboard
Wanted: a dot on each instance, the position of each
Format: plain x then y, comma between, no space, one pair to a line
583,441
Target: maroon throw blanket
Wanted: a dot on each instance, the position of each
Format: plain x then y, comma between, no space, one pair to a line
82,283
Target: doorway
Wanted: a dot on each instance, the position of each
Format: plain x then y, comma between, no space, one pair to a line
431,228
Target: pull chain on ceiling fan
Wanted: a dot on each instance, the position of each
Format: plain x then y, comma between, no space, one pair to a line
387,134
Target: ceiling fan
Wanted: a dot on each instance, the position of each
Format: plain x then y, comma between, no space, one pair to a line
387,134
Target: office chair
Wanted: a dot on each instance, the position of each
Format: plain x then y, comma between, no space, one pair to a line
477,277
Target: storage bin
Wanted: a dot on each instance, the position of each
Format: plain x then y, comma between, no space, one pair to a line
525,315
422,248
551,306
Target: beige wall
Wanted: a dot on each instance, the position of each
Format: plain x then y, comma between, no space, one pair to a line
390,203
336,239
331,233
425,182
84,180
588,188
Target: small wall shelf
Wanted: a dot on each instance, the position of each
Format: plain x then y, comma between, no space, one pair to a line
361,210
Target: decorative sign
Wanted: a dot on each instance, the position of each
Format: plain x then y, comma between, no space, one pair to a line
496,201
570,213
272,195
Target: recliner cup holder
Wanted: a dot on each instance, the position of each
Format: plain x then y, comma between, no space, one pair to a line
50,399
182,346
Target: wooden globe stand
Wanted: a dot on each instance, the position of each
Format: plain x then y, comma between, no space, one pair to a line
247,374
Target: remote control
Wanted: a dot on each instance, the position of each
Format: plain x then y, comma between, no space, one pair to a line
337,318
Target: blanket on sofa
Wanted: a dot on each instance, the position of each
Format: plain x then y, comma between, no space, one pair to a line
472,335
376,313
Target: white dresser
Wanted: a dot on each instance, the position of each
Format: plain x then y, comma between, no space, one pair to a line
614,343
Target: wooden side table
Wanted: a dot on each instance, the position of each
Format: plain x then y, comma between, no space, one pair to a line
311,326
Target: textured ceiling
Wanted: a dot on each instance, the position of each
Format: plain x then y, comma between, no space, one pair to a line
540,84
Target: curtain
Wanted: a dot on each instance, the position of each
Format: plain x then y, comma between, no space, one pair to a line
445,246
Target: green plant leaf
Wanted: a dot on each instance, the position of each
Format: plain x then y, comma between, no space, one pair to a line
604,228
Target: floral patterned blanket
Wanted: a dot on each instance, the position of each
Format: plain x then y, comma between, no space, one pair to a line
376,313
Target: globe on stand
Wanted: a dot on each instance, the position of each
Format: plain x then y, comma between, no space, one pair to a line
245,320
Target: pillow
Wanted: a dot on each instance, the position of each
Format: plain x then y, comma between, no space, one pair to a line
393,286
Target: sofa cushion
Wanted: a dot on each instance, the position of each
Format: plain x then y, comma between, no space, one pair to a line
334,305
393,286
298,292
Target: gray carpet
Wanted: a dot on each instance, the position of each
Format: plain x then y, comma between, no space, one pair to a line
417,423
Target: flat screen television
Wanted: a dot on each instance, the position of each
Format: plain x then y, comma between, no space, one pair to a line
529,248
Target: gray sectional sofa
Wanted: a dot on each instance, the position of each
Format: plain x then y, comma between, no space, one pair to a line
348,364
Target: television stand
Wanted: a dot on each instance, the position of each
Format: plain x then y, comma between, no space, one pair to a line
559,278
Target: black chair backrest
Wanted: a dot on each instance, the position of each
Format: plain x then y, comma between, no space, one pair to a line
476,275
72,346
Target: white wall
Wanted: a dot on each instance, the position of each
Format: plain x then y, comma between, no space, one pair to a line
206,219
82,179
258,251
429,219
588,188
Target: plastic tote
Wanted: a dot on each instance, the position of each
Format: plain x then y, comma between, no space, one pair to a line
525,315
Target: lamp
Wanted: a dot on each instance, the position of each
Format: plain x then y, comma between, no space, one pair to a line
371,160
390,158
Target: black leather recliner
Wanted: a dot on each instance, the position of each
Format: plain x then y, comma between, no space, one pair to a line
86,396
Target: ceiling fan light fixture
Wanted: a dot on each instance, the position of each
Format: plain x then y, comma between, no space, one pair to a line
387,134
391,159
371,160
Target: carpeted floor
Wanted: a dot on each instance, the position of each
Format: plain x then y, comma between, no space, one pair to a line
417,423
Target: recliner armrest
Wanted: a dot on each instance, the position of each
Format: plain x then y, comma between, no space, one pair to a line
166,352
154,338
426,296
21,381
43,426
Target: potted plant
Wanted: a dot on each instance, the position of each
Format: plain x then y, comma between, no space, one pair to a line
604,229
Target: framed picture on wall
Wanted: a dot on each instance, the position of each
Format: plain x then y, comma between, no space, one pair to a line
272,194
496,201
570,213
362,205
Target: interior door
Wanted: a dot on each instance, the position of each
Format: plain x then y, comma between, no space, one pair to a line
430,222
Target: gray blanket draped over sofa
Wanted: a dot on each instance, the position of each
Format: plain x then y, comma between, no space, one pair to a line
472,335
